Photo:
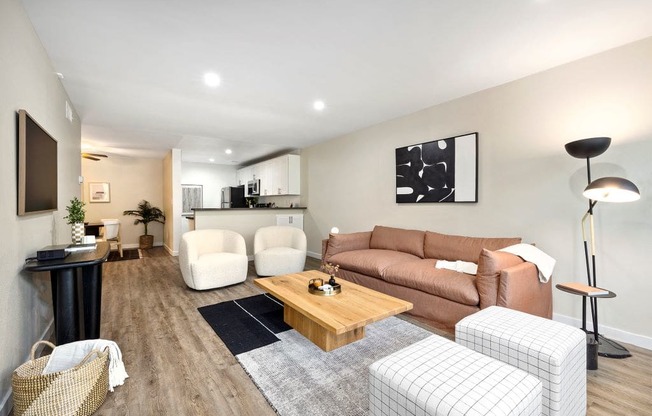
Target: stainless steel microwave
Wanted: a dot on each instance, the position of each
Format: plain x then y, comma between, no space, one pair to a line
253,187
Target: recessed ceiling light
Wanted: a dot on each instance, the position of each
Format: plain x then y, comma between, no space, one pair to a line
228,151
319,105
212,79
211,160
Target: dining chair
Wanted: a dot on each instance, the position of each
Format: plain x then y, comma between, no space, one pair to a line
111,233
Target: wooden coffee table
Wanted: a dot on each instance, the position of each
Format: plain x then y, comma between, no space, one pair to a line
330,321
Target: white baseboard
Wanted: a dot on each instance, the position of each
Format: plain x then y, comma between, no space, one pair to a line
7,402
127,246
314,255
169,250
136,245
609,332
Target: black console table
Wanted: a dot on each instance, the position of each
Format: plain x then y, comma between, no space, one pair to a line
78,268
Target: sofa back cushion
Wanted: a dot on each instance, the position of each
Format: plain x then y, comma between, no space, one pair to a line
397,239
338,243
455,247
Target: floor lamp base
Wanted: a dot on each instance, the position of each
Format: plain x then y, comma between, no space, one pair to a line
609,348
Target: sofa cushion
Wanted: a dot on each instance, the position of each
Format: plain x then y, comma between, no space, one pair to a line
397,239
455,247
370,262
422,275
490,264
338,243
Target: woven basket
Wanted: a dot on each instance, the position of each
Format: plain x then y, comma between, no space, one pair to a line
80,390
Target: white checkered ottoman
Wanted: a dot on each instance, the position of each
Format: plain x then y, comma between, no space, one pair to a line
552,351
439,377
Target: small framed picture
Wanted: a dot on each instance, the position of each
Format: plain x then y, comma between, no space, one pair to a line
99,192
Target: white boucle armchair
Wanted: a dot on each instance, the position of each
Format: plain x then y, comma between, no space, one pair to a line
279,250
212,258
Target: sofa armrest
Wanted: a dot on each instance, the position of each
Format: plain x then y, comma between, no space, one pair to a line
338,243
520,289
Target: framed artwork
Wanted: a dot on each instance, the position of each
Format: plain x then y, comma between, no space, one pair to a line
192,197
99,192
444,170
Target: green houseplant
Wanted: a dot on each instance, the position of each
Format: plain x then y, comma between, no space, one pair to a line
146,213
75,217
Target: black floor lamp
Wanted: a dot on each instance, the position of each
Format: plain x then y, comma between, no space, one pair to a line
608,189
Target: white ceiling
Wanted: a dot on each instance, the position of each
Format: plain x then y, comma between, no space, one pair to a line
133,69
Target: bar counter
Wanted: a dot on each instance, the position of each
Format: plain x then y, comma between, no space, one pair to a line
244,221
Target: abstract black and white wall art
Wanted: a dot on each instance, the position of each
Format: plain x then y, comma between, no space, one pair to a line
443,170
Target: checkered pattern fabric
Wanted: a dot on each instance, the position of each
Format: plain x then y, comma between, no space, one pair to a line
552,351
439,377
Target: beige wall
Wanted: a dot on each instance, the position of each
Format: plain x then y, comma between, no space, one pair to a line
212,178
131,180
172,200
28,81
528,185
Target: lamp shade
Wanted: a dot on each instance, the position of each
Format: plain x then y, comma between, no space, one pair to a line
612,189
587,148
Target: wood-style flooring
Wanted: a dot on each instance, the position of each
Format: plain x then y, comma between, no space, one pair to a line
178,366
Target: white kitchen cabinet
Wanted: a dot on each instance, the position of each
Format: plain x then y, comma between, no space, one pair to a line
243,176
278,176
290,220
265,174
294,175
285,174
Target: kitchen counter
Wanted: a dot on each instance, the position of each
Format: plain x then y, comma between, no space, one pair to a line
245,221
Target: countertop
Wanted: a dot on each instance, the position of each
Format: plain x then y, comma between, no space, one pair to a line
247,209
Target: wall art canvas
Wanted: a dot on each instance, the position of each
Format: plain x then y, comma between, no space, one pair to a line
99,192
444,170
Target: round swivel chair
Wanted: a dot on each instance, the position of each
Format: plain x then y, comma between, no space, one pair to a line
279,250
212,258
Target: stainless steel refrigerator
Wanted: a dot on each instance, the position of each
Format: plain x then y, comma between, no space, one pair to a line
233,197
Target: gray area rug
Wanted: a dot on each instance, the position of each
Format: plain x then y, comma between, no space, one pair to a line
298,378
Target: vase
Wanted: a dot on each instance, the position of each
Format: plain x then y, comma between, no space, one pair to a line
77,232
146,242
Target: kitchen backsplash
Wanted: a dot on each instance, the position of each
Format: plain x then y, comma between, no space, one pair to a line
280,200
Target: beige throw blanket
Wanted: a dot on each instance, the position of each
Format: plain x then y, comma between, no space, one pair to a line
531,253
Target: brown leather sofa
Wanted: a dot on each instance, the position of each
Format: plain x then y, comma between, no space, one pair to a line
402,262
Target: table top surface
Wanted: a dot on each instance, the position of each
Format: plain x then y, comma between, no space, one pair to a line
584,290
356,306
94,224
74,259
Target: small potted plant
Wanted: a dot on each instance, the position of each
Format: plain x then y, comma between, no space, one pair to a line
146,213
251,201
75,217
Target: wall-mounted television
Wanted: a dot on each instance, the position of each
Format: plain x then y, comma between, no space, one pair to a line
36,167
